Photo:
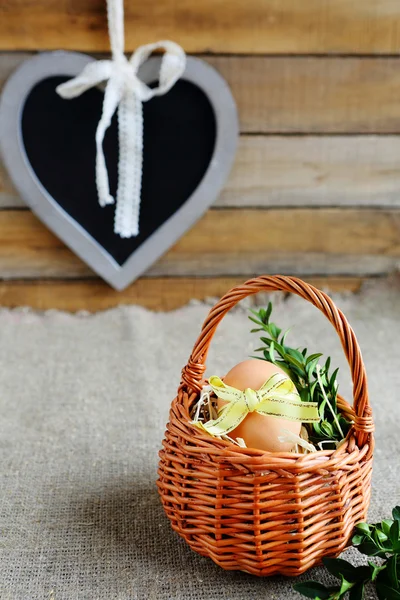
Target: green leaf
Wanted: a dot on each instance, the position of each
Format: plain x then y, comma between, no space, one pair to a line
394,533
284,367
386,525
314,589
370,549
345,586
317,429
357,592
258,350
386,592
313,387
321,409
363,528
327,429
311,366
391,568
278,348
363,574
344,424
313,357
332,380
339,567
283,338
396,513
357,539
275,331
376,569
271,352
268,312
256,321
294,361
297,354
379,537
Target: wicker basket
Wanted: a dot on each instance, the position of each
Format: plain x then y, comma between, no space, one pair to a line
263,512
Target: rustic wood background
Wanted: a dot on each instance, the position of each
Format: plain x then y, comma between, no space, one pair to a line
315,187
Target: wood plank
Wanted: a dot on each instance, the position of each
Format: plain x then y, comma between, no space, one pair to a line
228,243
314,94
303,94
279,171
314,171
254,26
155,293
9,197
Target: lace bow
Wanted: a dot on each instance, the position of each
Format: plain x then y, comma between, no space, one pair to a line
277,397
126,92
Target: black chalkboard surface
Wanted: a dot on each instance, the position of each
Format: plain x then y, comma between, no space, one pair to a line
59,140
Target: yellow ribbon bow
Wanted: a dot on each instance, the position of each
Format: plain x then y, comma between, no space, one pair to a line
277,397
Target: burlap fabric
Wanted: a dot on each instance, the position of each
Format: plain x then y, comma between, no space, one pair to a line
83,404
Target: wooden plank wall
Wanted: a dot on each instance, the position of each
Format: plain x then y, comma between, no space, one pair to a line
315,187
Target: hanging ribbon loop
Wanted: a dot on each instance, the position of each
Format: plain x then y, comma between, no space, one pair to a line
277,397
124,91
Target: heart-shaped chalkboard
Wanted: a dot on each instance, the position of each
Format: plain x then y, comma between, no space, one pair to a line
48,147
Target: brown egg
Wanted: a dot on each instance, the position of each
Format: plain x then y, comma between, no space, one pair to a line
259,431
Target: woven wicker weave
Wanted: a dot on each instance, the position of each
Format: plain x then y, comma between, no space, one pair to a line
260,512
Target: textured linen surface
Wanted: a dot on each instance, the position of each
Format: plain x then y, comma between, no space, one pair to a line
84,400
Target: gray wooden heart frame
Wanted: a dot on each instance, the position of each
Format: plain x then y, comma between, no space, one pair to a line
57,219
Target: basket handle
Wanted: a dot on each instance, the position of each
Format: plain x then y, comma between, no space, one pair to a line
193,372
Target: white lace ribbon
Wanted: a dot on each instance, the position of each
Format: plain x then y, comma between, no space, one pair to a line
125,91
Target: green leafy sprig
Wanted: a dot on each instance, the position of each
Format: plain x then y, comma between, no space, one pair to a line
381,540
313,382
